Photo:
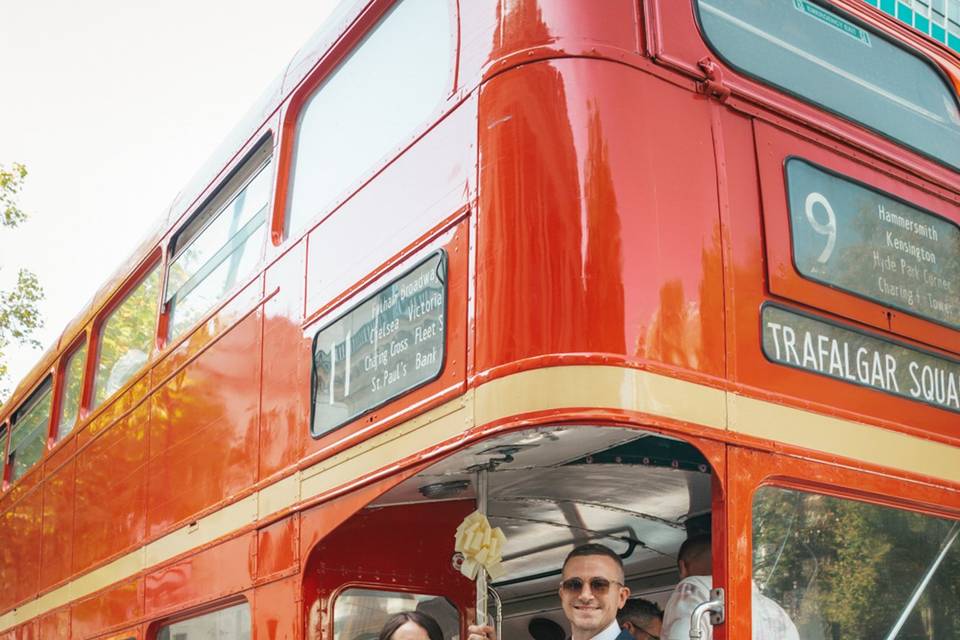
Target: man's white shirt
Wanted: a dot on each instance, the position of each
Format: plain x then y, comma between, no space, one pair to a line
770,621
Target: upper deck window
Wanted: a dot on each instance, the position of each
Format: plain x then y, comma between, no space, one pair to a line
126,338
221,244
3,450
29,431
374,100
70,389
821,55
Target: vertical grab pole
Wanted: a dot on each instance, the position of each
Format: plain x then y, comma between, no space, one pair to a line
482,573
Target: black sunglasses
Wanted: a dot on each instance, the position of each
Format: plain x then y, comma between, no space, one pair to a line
598,586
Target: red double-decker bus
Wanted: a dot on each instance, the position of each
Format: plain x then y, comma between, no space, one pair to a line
616,272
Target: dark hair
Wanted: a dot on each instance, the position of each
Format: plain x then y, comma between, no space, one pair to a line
639,611
694,547
594,549
545,629
427,623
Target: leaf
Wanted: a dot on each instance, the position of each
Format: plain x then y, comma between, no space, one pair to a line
11,181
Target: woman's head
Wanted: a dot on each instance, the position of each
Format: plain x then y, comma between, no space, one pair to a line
411,625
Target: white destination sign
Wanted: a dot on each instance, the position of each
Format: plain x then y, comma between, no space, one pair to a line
387,345
834,351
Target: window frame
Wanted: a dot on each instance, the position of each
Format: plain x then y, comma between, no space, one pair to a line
63,367
847,494
785,281
803,467
325,65
842,11
673,41
153,631
5,440
398,588
94,350
262,156
46,385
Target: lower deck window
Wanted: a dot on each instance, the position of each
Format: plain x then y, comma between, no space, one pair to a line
232,623
360,614
847,569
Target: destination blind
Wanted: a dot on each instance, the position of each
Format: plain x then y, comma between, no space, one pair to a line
804,342
384,347
866,242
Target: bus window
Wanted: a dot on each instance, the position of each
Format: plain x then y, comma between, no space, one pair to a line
29,431
232,623
220,245
126,338
846,569
3,451
71,386
359,614
821,55
370,104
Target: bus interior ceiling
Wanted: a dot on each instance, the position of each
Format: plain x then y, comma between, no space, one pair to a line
553,488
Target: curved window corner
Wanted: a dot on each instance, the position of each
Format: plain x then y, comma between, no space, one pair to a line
841,568
821,55
126,338
375,99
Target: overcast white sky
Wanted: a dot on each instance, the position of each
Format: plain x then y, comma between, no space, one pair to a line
113,105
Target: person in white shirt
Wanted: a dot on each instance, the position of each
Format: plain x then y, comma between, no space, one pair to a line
695,561
592,590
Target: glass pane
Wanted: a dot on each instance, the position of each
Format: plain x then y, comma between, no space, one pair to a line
359,614
195,303
845,569
224,226
127,338
29,435
222,254
822,56
72,385
232,623
374,101
3,448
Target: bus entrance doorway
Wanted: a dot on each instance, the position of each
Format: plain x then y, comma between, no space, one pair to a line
550,489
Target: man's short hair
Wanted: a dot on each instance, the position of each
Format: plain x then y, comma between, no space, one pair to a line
694,547
639,611
594,549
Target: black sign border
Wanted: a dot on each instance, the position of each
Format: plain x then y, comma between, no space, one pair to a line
852,329
867,186
443,267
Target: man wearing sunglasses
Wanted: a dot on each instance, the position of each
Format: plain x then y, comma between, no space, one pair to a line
592,590
641,618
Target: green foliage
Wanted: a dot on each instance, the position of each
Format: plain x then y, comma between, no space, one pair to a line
19,314
10,184
845,569
127,337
